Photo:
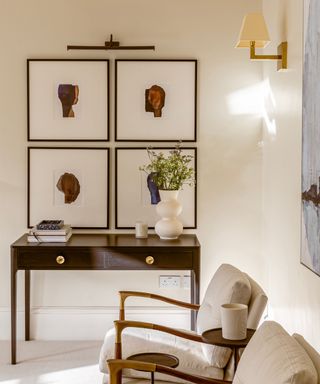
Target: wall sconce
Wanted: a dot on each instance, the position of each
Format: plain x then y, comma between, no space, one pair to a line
254,34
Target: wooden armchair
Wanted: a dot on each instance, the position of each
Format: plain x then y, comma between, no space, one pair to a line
271,357
228,285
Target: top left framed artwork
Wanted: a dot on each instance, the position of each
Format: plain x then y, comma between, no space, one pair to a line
68,99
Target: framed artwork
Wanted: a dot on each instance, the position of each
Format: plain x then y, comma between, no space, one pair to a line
134,195
68,100
310,244
155,100
71,184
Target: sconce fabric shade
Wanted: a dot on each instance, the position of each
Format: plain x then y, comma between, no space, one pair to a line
253,28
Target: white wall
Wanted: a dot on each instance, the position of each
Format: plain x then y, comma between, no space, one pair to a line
294,291
229,198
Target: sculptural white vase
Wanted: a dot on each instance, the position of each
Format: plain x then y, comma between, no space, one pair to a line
169,227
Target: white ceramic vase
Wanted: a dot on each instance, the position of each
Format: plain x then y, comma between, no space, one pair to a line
169,227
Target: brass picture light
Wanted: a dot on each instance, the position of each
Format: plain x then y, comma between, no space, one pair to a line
111,45
254,34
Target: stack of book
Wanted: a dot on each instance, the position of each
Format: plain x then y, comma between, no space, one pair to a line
50,231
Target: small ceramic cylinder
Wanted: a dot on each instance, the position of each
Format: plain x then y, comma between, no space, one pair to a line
234,321
141,230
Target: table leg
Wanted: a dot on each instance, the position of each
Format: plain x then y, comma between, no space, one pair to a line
13,306
195,289
236,359
27,305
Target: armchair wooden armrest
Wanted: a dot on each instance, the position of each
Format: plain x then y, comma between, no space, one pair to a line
115,367
120,325
125,294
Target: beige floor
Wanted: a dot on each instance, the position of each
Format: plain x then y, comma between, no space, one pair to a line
51,362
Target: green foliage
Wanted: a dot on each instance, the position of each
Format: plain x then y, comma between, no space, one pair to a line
171,172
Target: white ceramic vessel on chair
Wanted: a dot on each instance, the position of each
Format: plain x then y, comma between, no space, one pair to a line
234,321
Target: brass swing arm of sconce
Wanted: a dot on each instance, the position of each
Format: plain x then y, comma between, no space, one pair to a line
282,55
111,45
254,34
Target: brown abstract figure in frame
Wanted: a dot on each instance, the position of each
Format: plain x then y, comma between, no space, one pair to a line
68,95
155,100
70,186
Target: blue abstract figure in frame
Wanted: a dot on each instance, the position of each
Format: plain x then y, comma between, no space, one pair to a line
153,189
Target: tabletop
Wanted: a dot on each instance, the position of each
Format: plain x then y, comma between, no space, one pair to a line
214,336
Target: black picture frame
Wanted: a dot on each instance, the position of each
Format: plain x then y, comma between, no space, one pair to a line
133,172
44,200
44,116
133,76
310,160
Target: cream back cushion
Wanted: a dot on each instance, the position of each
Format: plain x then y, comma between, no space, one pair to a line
228,285
312,353
273,356
257,304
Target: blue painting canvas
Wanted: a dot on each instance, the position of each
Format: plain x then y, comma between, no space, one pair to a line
310,251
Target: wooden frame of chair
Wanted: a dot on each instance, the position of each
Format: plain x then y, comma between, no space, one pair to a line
115,367
120,325
125,294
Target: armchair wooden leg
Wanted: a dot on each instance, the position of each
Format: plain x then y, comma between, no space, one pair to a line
118,377
117,350
123,297
115,375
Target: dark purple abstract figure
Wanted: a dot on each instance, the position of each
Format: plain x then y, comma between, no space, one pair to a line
153,189
68,95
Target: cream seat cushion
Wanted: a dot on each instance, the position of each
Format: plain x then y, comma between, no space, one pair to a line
139,340
273,356
228,285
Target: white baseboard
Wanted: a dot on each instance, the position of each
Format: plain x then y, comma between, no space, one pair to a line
86,323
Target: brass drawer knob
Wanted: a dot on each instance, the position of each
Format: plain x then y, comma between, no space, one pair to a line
149,260
60,259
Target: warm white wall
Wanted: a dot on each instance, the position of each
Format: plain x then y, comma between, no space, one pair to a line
229,187
294,291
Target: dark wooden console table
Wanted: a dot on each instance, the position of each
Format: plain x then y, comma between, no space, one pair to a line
101,252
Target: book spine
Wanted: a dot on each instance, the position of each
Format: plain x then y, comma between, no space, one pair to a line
58,232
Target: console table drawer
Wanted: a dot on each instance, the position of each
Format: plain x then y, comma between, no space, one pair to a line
61,259
149,259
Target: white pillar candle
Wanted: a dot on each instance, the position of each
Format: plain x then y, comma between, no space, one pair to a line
141,230
234,321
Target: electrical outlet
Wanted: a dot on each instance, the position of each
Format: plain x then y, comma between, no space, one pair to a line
172,281
186,282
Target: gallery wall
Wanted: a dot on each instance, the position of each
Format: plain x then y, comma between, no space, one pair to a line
294,290
229,146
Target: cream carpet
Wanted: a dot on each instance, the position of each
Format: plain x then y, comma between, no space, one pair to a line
51,362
